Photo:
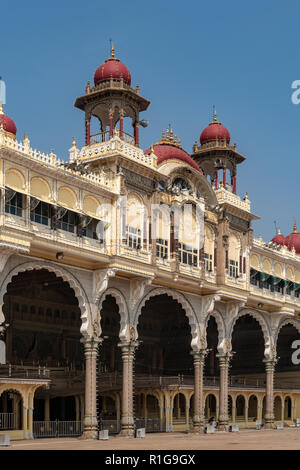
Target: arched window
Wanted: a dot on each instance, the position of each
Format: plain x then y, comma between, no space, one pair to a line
233,255
209,246
188,243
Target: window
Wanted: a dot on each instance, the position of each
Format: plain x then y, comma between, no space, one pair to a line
133,237
67,222
208,262
233,268
90,230
162,247
15,205
41,214
187,255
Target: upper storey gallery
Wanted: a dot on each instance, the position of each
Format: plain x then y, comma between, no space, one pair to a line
62,202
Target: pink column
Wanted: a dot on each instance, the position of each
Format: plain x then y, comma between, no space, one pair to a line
87,131
224,177
136,135
198,418
121,126
127,420
224,361
91,346
269,414
111,126
216,180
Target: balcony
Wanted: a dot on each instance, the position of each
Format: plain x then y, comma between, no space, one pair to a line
105,137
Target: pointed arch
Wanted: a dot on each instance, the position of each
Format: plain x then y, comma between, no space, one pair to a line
59,271
123,310
263,324
220,326
180,298
287,321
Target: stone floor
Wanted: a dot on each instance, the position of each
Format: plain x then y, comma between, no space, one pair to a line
288,438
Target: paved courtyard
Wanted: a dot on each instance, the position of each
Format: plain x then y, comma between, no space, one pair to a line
288,438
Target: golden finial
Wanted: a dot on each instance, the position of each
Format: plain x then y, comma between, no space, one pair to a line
179,143
171,134
74,143
278,231
175,139
167,134
112,52
1,109
295,227
215,115
163,135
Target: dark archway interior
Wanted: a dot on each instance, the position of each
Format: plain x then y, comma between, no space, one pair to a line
211,361
166,338
287,335
248,346
44,320
110,354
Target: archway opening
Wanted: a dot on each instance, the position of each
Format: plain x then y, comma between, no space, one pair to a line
110,359
287,408
211,407
240,405
253,408
277,408
165,336
44,334
211,361
248,347
11,410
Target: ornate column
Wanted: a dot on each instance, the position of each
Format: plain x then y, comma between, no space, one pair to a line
224,362
136,134
91,346
198,418
269,414
87,130
25,424
121,114
111,124
127,420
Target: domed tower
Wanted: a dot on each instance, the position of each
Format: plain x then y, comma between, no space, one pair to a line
112,99
293,240
7,124
215,153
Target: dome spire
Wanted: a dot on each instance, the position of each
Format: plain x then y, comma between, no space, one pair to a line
295,227
112,51
1,109
215,114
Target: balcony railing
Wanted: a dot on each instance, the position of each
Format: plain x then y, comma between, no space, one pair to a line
105,137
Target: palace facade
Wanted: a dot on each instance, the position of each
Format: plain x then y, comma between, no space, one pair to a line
115,312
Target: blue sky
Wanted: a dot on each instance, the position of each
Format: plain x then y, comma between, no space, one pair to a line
186,56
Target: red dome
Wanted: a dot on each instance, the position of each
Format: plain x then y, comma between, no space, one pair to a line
7,123
172,152
215,130
279,238
293,240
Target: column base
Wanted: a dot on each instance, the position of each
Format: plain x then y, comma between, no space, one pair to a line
198,428
223,427
127,432
269,425
89,434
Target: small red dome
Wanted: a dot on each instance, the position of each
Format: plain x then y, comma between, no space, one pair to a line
172,152
112,67
215,130
7,123
293,240
279,238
